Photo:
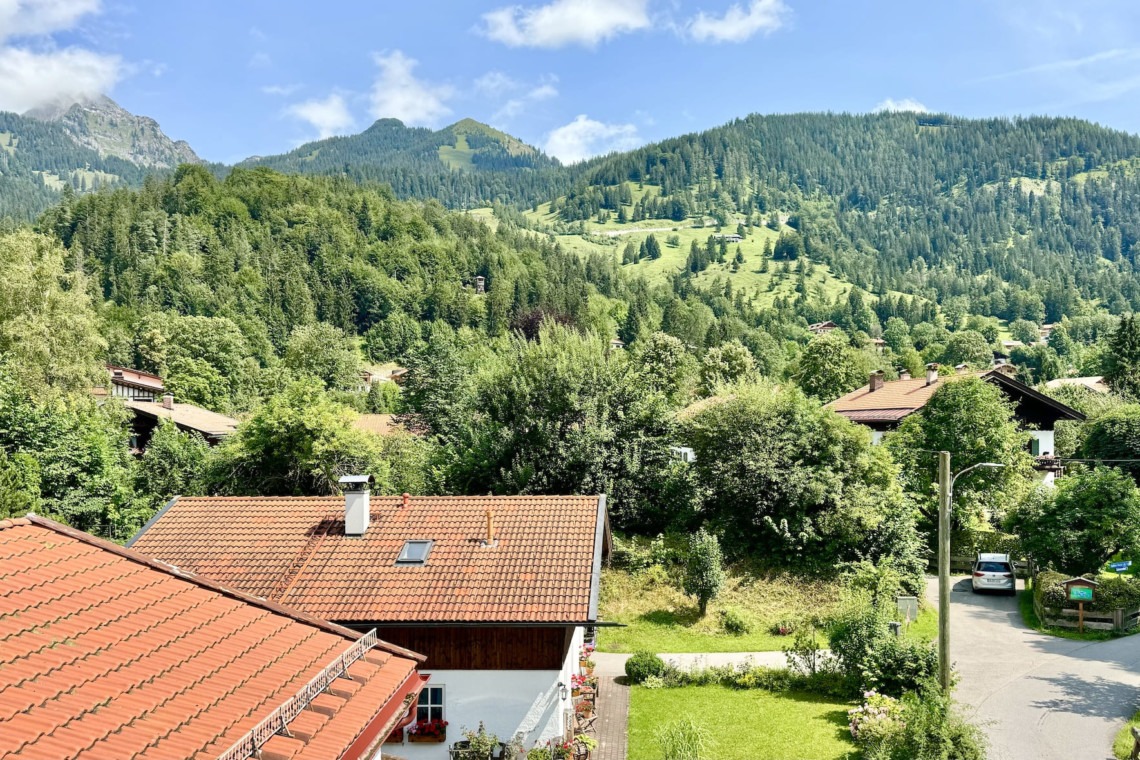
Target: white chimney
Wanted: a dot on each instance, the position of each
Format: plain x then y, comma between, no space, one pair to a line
904,374
931,373
356,503
168,401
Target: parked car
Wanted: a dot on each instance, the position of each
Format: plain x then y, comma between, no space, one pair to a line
994,572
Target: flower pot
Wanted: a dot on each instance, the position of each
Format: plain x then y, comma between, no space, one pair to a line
575,692
420,738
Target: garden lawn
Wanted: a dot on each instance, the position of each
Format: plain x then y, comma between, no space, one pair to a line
660,618
744,724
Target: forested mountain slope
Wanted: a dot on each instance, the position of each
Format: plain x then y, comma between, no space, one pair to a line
84,146
464,165
1023,217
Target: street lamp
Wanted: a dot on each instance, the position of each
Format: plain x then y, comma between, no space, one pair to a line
945,494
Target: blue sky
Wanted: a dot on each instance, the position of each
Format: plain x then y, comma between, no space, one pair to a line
575,77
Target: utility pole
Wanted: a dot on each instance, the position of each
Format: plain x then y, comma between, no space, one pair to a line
944,485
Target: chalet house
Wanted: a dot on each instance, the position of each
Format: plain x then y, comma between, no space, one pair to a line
110,654
134,384
496,591
881,405
820,328
1094,383
382,373
212,426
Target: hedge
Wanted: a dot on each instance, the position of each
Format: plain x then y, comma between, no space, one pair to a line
1110,594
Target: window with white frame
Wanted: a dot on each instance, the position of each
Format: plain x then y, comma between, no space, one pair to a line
431,704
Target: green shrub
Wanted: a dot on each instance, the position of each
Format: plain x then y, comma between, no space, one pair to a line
654,682
1048,589
1116,593
642,665
783,628
769,679
734,622
683,739
919,726
655,575
872,657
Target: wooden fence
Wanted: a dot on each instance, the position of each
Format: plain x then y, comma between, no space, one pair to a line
1105,620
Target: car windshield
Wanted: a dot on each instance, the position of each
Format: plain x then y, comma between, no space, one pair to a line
993,567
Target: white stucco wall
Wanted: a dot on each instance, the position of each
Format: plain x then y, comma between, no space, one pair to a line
506,701
1046,441
877,437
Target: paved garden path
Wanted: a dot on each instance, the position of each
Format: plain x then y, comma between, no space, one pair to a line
1038,697
613,719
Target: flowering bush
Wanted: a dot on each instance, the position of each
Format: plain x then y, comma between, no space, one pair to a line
561,750
436,729
879,718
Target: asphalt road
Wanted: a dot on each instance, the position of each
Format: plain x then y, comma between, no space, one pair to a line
1038,697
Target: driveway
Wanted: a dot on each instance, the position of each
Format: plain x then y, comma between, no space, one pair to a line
1038,697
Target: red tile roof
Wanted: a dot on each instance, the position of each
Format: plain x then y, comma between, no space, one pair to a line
894,400
105,653
542,568
898,398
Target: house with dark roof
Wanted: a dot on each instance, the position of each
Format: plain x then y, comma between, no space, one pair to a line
130,383
188,418
883,404
822,328
496,591
110,654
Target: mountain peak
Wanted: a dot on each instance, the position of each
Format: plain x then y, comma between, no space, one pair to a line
103,125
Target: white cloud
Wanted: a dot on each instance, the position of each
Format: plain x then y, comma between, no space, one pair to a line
739,23
495,83
329,116
516,106
40,74
585,137
397,93
260,60
565,22
280,89
906,104
26,18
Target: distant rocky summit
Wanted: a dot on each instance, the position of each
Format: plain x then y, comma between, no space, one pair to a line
104,126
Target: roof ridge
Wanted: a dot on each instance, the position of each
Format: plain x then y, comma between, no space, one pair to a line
154,564
12,522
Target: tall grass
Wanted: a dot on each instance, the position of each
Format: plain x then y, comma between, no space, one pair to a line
684,739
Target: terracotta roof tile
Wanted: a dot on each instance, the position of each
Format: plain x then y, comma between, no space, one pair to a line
293,550
107,654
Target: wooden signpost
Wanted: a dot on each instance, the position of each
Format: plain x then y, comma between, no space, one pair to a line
1080,590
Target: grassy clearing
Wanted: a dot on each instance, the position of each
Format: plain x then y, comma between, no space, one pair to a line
744,724
458,157
611,238
660,618
1122,746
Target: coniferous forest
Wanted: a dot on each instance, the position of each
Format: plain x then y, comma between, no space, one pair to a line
262,294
